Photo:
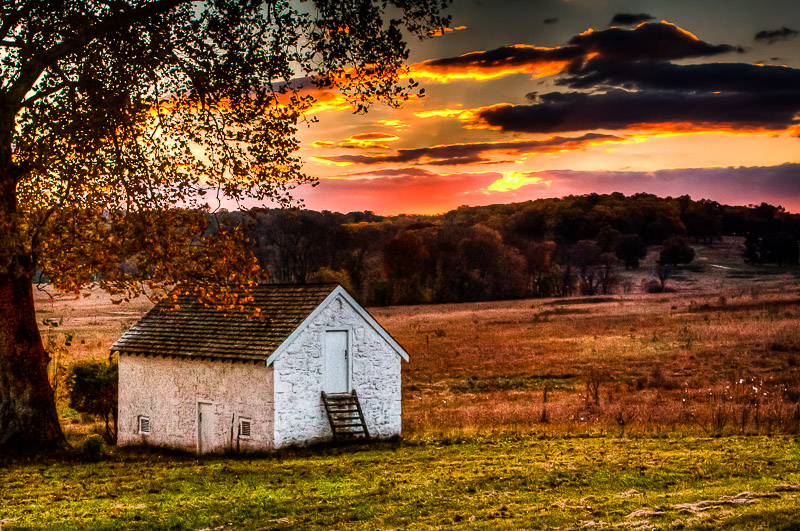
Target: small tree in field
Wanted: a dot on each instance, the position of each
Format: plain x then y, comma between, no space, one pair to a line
663,272
630,249
118,118
676,250
93,390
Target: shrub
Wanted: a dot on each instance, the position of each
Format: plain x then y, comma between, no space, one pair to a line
92,448
653,286
93,390
338,276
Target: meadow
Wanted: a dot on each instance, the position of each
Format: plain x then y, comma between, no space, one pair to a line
493,480
718,355
676,410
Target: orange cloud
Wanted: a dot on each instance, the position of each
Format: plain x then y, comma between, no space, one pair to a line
441,31
327,101
474,152
688,128
323,143
475,66
399,125
331,161
471,118
413,190
369,140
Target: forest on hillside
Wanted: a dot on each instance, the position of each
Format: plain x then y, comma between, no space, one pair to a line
541,248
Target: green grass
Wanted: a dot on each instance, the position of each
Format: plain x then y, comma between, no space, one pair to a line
481,480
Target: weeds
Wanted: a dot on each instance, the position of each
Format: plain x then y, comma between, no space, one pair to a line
595,378
660,357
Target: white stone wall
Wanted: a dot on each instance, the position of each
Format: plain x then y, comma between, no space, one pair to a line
299,413
167,390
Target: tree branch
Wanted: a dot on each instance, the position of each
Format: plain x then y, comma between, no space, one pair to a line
12,20
40,95
32,70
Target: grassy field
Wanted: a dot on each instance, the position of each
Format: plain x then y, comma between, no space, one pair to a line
493,480
720,355
713,363
678,410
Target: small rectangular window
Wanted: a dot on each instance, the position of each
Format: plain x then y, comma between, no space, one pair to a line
244,428
144,425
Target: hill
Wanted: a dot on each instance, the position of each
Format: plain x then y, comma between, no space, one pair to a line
594,244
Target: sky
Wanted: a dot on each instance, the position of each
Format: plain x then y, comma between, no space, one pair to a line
534,99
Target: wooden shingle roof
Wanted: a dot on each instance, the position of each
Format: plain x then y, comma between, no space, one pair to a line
189,327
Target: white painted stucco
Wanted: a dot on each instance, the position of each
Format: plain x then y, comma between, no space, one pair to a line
282,399
375,375
167,390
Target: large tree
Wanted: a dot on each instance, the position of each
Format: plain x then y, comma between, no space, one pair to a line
117,119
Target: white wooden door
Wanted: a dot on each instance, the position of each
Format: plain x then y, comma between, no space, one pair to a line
206,437
336,378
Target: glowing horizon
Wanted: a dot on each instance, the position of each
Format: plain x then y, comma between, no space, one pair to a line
676,107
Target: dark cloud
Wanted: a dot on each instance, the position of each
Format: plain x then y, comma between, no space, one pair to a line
509,56
620,109
727,95
711,77
552,20
771,36
629,19
473,153
711,96
648,42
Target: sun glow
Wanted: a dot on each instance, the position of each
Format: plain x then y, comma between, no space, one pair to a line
470,118
513,180
329,162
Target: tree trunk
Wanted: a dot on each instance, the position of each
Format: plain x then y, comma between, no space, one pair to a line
28,419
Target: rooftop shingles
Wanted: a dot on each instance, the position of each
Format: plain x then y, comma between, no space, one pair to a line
189,327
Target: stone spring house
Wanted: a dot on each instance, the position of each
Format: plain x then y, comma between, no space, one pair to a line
196,378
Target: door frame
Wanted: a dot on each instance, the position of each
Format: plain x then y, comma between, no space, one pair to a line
199,421
348,355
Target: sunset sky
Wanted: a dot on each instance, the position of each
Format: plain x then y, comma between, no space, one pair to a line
525,100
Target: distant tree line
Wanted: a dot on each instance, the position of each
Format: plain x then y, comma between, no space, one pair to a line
547,247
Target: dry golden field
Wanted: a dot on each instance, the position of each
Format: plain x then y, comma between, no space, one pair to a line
720,355
696,362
